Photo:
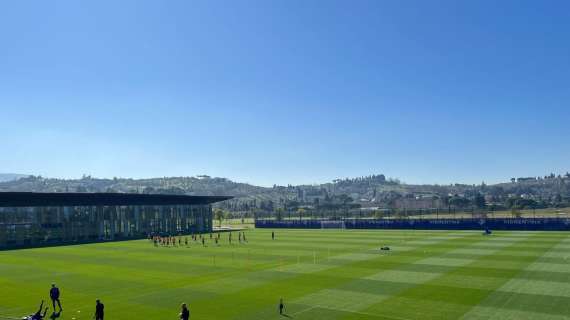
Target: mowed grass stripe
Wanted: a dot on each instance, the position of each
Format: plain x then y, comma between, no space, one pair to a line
434,300
412,274
328,279
524,298
359,294
392,282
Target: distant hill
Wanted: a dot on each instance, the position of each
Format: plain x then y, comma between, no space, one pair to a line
374,191
4,177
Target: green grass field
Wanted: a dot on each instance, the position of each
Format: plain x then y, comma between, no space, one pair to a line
321,274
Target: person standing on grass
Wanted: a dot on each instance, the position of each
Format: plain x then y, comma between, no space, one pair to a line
272,235
54,295
184,312
281,306
99,310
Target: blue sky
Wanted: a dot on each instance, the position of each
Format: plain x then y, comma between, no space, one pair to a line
286,91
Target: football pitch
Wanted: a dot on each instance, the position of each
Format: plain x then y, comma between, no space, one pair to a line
320,274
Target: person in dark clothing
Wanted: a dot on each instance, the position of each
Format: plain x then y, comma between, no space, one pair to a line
54,295
184,312
272,235
99,310
38,315
281,306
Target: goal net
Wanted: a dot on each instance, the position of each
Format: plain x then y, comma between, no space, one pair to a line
333,224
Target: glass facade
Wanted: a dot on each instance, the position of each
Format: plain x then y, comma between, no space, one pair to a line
48,225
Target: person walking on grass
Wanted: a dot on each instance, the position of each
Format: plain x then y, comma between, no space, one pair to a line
54,295
272,235
184,312
281,306
99,310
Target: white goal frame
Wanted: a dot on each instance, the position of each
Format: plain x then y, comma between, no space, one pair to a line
333,224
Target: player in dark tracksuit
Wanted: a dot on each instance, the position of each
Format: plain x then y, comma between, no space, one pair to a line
54,295
184,312
38,315
99,310
281,306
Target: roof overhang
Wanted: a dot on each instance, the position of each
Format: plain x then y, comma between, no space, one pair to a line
36,199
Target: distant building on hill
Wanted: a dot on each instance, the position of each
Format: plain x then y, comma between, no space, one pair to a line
30,219
419,202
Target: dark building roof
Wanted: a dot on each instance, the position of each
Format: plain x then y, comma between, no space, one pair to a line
33,199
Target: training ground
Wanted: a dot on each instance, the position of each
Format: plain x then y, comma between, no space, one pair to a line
321,274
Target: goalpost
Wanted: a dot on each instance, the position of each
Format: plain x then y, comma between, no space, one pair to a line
333,224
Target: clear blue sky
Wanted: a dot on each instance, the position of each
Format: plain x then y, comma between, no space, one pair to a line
286,91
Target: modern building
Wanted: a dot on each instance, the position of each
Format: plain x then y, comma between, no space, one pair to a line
29,219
